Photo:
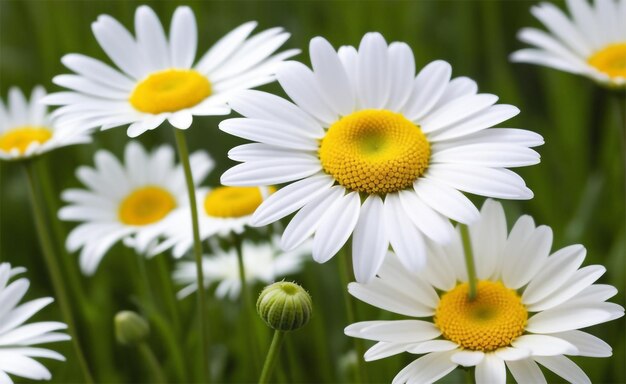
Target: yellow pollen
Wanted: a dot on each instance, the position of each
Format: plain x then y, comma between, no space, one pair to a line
146,205
374,151
21,138
231,202
492,320
169,91
610,60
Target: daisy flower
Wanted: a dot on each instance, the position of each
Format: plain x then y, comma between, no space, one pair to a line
529,308
373,151
592,42
222,211
27,130
158,79
125,200
263,264
16,339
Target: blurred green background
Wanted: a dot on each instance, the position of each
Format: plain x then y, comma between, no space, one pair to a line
579,185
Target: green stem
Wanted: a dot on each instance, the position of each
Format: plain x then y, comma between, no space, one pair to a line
469,262
246,301
345,268
54,270
183,153
152,362
272,357
168,288
470,377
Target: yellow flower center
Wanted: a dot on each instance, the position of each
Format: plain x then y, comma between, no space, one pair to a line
229,202
169,91
492,320
610,60
20,138
146,205
374,151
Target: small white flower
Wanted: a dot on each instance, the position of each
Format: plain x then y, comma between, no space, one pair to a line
27,130
159,80
263,263
16,338
591,43
371,150
529,308
221,211
126,201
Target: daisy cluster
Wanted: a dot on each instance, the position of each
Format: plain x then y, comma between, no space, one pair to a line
367,152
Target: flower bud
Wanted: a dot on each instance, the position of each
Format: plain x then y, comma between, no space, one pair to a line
130,328
284,306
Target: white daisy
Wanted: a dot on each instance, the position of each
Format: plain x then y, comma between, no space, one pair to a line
370,149
262,264
591,43
27,130
222,211
16,338
126,200
158,78
529,307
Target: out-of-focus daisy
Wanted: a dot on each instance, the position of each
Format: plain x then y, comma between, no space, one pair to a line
158,79
27,130
17,339
528,309
223,210
370,150
591,43
262,264
124,200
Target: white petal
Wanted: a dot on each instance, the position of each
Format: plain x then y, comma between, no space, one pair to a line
427,369
369,241
467,358
336,227
566,319
446,200
457,87
526,371
331,76
224,47
405,238
302,87
491,370
428,87
560,26
270,172
512,354
383,349
399,331
183,38
372,74
539,57
587,345
151,39
544,345
529,259
96,70
307,220
429,222
565,368
456,111
269,132
390,297
487,155
488,238
291,198
119,45
402,69
432,346
259,151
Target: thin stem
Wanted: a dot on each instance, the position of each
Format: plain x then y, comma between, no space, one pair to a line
345,266
54,270
469,262
183,153
470,378
272,357
246,301
152,362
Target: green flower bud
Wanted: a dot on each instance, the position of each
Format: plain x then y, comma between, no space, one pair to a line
284,306
130,328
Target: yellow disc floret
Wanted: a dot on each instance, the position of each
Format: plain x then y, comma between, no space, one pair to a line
170,90
374,151
492,320
146,205
610,60
231,202
21,138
